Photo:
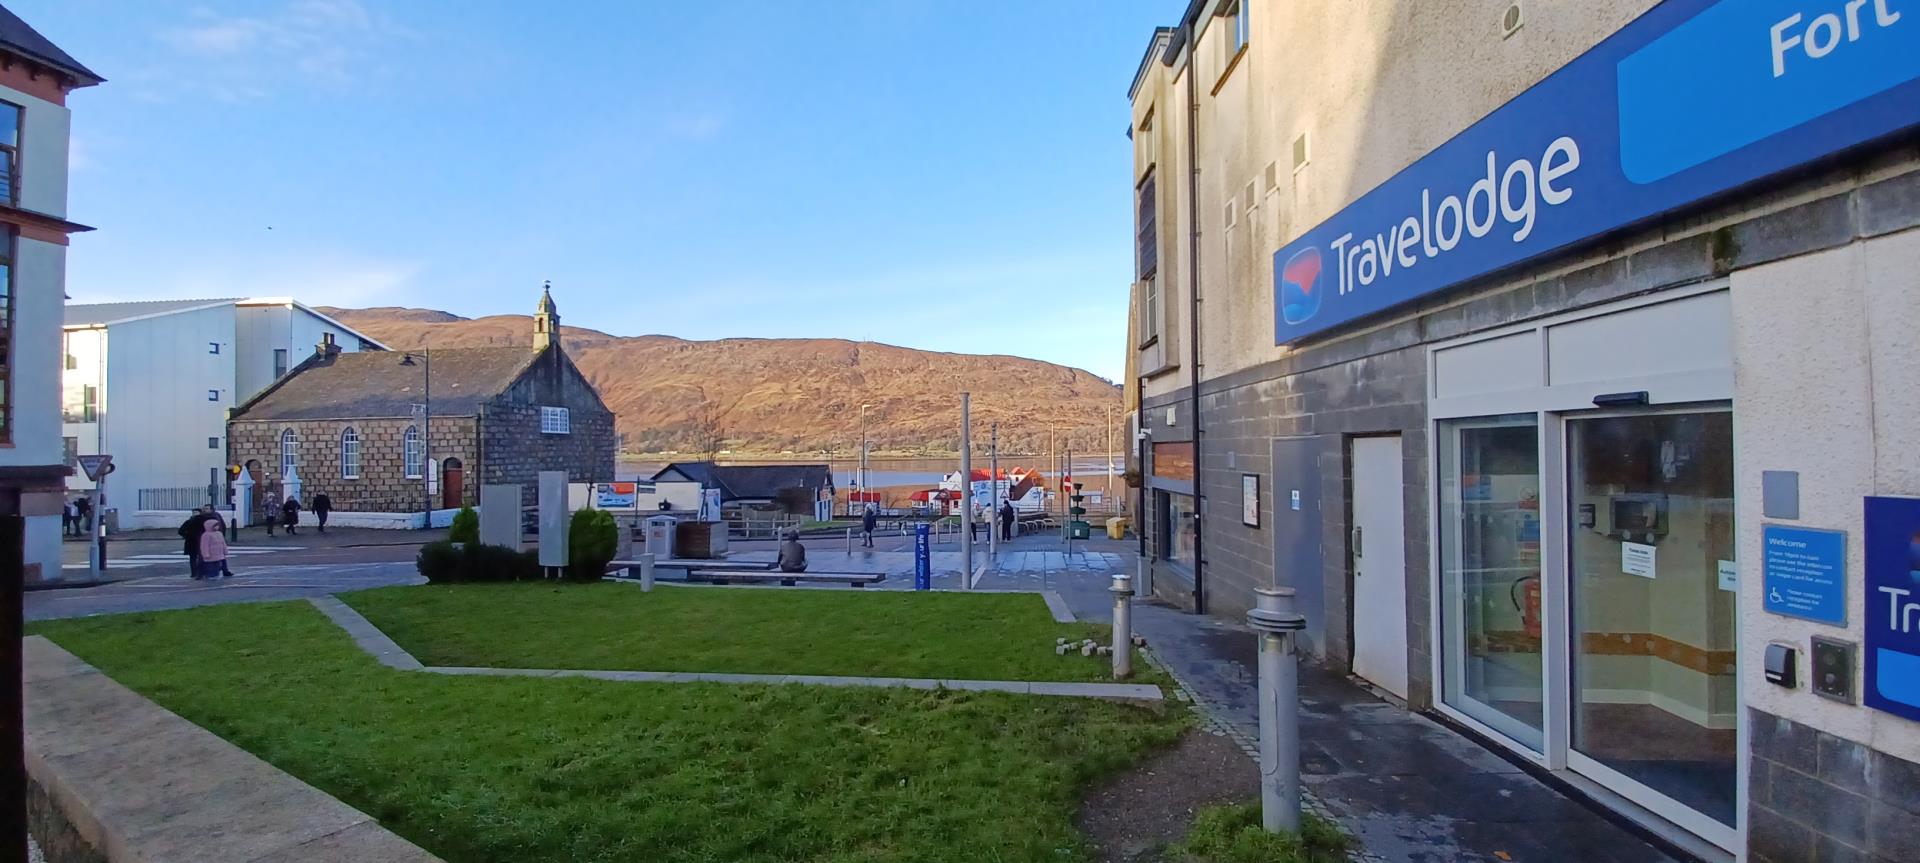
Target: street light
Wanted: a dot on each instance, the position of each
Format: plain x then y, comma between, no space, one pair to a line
863,455
426,434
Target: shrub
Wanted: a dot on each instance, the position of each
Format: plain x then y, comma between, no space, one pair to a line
592,540
440,562
466,526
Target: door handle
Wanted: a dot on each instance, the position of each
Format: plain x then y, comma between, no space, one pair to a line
1357,534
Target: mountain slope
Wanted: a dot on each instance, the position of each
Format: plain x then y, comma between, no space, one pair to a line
804,395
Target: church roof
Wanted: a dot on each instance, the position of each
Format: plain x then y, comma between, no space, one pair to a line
370,384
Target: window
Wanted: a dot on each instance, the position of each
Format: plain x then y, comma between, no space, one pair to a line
89,404
1146,235
213,347
70,447
10,152
289,452
350,454
73,362
414,453
279,363
1241,30
213,395
1177,528
213,443
555,421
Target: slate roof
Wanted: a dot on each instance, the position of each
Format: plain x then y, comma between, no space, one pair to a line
87,314
751,481
374,384
22,39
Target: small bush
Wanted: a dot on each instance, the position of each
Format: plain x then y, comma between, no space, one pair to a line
1232,834
440,562
592,540
466,526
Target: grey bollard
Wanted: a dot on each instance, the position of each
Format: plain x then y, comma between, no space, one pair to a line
1122,590
1143,582
849,540
646,573
1276,621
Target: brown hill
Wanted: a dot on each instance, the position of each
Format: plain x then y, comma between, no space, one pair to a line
803,395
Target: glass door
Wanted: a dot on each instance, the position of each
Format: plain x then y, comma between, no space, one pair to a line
1490,570
1650,560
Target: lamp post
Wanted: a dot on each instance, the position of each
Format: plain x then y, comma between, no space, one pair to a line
426,433
863,457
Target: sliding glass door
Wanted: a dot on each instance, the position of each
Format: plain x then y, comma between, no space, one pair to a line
1490,570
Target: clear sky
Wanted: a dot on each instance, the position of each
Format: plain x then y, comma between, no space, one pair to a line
944,174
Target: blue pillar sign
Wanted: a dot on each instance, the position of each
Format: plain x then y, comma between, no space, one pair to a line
1804,573
922,558
1892,644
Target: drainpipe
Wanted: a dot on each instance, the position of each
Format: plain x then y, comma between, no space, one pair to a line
1193,308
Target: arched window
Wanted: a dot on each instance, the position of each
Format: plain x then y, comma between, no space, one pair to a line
289,452
350,454
415,452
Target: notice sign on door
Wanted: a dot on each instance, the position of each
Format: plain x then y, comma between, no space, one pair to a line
1804,573
1892,643
1637,559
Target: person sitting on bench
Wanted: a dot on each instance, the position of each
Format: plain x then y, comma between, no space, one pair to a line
793,555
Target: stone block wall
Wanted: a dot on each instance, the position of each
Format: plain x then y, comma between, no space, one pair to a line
516,451
1812,796
383,485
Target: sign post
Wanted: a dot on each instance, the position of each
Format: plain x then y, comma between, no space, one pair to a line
97,467
922,558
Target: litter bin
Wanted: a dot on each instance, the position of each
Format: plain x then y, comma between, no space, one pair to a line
110,519
1117,527
1078,529
659,536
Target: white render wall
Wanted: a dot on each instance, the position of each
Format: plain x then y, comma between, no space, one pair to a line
261,327
1827,383
156,414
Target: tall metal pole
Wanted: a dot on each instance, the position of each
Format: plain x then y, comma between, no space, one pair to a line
1106,497
426,439
993,489
966,492
863,458
1053,468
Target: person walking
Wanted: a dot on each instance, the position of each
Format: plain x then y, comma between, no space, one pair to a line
290,515
216,524
869,519
973,525
213,551
190,531
1007,516
793,555
69,519
322,505
85,505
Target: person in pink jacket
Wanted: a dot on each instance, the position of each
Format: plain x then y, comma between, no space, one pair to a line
213,554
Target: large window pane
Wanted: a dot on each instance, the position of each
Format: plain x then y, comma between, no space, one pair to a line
1490,573
1655,696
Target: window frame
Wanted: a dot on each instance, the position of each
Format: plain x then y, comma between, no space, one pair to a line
556,420
349,453
413,453
289,451
282,361
12,153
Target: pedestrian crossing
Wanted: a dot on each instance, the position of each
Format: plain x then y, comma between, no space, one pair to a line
145,560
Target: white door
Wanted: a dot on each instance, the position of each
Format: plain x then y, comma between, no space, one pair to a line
1379,552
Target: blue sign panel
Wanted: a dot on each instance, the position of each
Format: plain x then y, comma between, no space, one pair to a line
922,558
1893,606
1692,99
1804,573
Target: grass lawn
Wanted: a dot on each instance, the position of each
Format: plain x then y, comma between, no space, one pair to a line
542,769
984,636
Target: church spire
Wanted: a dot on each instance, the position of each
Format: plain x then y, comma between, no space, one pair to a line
546,321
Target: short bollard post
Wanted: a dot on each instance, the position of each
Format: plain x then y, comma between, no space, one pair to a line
1274,618
646,572
1122,590
849,540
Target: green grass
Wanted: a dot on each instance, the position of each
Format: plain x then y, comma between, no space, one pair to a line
512,770
1232,834
986,636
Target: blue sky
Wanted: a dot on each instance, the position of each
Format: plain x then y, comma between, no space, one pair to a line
949,175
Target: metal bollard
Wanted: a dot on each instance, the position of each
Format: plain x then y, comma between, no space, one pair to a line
1122,590
1276,621
1143,583
849,540
646,573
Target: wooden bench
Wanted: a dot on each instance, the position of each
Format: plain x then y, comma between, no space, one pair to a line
786,579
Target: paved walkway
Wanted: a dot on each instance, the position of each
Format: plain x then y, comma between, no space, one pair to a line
376,643
249,584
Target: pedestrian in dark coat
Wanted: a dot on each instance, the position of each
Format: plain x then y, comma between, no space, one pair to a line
1007,517
290,515
322,505
869,520
190,540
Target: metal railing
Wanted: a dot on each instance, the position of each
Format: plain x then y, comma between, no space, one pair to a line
762,528
184,497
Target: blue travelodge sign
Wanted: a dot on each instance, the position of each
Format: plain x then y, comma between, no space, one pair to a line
1892,644
1692,99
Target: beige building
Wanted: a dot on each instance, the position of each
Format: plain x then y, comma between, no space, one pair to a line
1561,357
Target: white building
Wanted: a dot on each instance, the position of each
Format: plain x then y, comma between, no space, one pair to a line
35,77
151,383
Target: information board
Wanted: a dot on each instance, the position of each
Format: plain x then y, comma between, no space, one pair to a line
922,558
1892,644
1804,573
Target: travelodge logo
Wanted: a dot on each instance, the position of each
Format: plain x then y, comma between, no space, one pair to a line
1300,285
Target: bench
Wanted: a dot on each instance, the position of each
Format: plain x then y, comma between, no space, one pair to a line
786,579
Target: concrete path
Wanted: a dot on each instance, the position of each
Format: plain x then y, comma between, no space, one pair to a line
376,643
249,584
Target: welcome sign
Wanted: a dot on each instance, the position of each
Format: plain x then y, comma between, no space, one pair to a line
1690,100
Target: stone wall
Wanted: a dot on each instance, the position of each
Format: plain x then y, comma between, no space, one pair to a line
383,485
1814,796
515,450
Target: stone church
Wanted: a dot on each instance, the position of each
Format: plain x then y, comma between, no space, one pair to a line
389,431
